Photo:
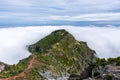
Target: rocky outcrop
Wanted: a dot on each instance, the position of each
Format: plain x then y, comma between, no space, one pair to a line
87,72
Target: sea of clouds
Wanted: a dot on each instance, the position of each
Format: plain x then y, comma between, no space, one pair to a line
14,41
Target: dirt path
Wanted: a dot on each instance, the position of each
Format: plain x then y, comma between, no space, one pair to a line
31,64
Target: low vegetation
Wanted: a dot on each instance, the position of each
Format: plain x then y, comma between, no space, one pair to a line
60,55
108,77
103,62
11,70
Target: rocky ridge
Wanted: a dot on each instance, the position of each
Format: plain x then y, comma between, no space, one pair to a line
56,56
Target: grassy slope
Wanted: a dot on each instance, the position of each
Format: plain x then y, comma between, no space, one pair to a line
11,70
63,55
60,54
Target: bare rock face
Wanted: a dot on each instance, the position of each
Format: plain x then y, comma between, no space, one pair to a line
87,72
2,67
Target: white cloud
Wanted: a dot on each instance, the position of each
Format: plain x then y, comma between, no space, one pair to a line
38,10
13,41
90,17
17,3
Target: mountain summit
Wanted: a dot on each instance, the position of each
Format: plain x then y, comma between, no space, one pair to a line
62,55
56,56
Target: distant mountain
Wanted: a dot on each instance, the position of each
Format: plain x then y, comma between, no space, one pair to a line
58,55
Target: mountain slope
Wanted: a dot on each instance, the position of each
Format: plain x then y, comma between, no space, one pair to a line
62,54
56,56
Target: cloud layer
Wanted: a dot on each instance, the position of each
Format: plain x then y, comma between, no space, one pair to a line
44,10
13,41
89,17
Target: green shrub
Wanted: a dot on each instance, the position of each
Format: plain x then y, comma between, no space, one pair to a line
11,70
96,73
108,77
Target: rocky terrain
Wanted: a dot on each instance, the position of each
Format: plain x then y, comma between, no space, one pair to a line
57,56
106,69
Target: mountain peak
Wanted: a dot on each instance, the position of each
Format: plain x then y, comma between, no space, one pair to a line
51,39
57,55
60,31
62,53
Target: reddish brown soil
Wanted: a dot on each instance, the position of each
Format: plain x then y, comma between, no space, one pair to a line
31,64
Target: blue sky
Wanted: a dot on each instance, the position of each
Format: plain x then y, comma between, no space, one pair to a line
41,11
